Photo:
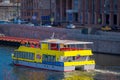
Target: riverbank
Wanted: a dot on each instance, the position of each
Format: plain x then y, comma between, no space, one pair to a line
104,42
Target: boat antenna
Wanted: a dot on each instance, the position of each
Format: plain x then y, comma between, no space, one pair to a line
53,35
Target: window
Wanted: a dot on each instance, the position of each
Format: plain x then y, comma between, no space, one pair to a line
54,47
24,55
101,6
28,13
115,5
80,5
66,59
48,58
35,13
76,5
107,6
80,58
86,5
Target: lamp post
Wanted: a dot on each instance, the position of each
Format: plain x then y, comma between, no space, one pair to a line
50,9
50,13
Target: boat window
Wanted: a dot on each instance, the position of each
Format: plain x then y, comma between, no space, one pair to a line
48,58
70,47
66,59
76,46
80,58
24,55
91,57
65,46
54,46
73,58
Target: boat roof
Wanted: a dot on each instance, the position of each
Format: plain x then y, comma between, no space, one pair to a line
66,42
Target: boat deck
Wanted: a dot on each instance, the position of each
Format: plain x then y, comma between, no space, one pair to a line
18,39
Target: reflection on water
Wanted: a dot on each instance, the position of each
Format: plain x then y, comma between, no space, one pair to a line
23,73
107,68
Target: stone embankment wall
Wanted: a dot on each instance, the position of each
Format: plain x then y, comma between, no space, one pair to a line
104,42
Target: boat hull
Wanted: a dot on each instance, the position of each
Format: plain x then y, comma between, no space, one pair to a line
44,66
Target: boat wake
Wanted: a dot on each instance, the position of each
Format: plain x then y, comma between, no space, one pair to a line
107,71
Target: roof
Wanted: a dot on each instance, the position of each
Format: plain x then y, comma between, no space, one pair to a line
58,41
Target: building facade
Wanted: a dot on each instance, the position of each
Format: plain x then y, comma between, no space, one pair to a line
105,12
34,10
88,12
9,10
11,1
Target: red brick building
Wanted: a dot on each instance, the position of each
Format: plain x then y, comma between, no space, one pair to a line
34,9
105,12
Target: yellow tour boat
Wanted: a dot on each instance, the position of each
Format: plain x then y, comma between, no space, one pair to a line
55,54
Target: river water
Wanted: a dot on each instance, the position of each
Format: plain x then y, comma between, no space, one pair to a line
107,68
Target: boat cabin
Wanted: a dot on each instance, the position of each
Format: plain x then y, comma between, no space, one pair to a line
63,45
